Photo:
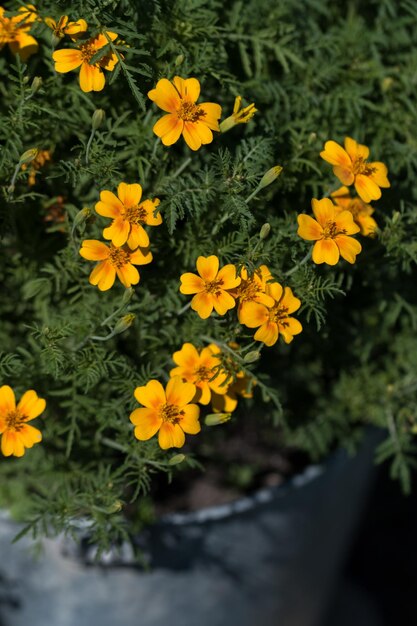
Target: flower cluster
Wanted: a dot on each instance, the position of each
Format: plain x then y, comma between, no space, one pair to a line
335,222
14,31
129,241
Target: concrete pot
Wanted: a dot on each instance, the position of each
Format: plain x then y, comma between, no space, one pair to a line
266,560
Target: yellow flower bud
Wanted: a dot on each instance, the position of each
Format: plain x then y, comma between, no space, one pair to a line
124,323
239,115
270,176
179,60
176,459
213,419
97,119
252,356
28,156
81,217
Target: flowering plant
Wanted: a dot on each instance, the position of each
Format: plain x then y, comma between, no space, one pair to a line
216,296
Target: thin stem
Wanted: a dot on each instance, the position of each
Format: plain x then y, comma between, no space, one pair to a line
181,167
252,195
298,265
184,308
13,181
90,141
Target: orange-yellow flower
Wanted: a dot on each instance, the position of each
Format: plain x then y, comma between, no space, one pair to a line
128,214
275,320
168,411
63,27
330,231
227,403
211,286
113,261
194,121
253,288
203,369
16,433
14,31
360,210
91,74
352,168
41,157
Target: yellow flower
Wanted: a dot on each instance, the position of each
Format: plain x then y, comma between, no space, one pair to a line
128,215
227,403
14,31
113,261
253,288
275,320
360,210
239,115
194,121
17,434
211,286
352,168
168,411
63,27
91,75
330,231
41,157
202,369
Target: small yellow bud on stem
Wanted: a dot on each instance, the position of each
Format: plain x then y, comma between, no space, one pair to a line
214,419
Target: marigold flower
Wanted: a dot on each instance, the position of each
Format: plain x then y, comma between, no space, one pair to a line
113,261
63,27
352,168
360,210
253,288
128,215
203,369
211,286
239,115
91,74
14,31
330,231
194,121
16,433
227,403
274,320
168,411
41,157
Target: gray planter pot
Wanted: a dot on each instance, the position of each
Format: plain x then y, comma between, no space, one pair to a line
270,559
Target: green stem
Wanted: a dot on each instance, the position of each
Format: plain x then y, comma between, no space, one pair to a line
181,167
298,265
87,150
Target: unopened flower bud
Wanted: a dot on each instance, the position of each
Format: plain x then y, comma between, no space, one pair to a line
176,459
28,156
25,79
217,418
179,60
252,356
115,507
270,176
265,230
395,217
124,323
127,296
81,217
97,119
36,84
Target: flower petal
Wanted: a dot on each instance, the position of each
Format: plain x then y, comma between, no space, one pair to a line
308,228
94,250
253,314
356,150
8,443
29,435
109,205
367,189
289,301
191,135
128,275
336,155
31,405
292,327
138,237
188,88
344,222
179,392
323,210
379,175
213,113
208,267
228,275
187,357
171,436
130,195
349,247
91,78
118,232
147,422
67,60
268,333
325,251
223,302
345,175
189,422
103,275
152,395
24,45
191,283
141,256
165,96
169,129
7,400
202,303
204,132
